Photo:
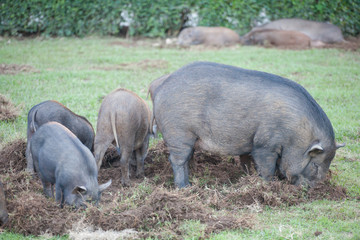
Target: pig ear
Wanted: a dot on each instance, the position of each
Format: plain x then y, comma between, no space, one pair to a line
79,190
340,145
315,150
104,186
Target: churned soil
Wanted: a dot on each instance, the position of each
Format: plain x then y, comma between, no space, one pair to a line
8,111
151,206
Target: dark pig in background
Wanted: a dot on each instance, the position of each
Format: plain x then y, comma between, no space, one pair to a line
54,111
4,217
234,111
208,36
126,119
60,159
319,32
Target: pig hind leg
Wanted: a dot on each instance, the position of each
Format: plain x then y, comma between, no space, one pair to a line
126,154
179,160
102,143
140,155
181,148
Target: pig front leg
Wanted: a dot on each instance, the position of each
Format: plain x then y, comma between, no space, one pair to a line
59,195
48,189
265,160
124,165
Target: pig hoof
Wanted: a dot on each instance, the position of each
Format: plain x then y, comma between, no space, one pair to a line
126,183
140,175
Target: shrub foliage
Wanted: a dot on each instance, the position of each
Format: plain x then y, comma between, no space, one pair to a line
160,18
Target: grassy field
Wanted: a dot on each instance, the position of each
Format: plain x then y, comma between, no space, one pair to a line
79,72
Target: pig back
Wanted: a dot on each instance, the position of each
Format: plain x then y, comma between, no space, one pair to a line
131,112
56,149
54,111
224,107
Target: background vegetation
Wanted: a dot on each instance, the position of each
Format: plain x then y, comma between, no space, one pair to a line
162,18
79,72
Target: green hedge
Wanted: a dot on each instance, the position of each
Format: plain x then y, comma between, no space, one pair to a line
160,18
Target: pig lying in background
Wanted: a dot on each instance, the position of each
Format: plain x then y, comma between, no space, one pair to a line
3,211
208,36
278,38
317,31
233,111
124,118
62,160
54,111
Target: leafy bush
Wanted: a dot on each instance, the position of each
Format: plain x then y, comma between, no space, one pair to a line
160,18
60,17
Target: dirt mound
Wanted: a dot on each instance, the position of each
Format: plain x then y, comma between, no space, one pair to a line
8,111
12,157
151,206
12,69
143,65
162,206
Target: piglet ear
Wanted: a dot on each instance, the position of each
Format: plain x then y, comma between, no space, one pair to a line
315,149
79,190
104,186
340,145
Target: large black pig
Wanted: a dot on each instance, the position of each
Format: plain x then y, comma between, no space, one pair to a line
233,111
3,211
54,111
62,160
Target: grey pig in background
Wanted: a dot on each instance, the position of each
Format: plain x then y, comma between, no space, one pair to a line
233,111
126,119
60,159
320,32
51,110
208,36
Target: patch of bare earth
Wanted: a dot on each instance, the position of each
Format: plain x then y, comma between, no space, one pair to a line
143,65
151,206
12,69
8,111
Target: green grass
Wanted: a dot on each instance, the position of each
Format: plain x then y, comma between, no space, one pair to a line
70,72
